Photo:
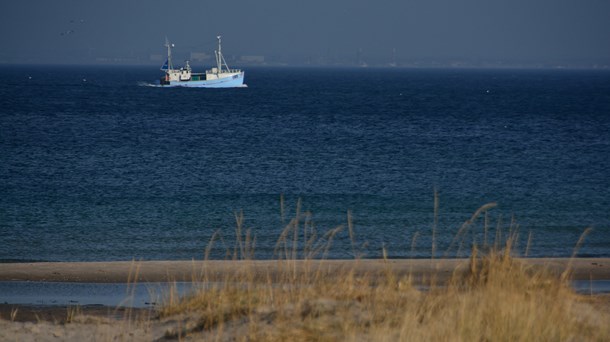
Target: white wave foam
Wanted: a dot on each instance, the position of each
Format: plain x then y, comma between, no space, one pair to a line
148,84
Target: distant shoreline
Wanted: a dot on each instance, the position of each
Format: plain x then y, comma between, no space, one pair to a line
420,270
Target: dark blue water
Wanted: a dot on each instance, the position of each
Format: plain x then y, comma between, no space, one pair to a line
96,166
139,295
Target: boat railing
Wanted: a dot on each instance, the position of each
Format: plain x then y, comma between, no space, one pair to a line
224,71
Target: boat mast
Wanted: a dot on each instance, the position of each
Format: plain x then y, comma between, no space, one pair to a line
219,56
220,59
169,54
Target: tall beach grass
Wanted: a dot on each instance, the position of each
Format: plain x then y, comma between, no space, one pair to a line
302,296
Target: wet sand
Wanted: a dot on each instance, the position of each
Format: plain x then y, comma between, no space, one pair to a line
164,271
61,313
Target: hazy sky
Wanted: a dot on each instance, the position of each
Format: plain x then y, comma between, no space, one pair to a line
532,30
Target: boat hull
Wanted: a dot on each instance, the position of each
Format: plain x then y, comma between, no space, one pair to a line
234,81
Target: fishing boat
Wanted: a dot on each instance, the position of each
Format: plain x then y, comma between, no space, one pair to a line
220,76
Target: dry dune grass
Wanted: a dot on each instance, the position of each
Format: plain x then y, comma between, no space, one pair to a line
300,297
498,299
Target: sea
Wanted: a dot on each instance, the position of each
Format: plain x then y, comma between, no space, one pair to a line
97,164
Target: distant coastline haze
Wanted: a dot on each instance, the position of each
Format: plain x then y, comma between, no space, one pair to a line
337,33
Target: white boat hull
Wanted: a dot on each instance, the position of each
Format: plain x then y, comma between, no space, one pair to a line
234,81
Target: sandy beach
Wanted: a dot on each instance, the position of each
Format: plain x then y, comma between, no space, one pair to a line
163,271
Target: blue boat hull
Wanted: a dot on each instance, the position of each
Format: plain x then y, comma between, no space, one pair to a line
235,81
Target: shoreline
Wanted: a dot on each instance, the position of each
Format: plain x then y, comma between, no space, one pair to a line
215,270
80,322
